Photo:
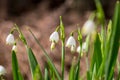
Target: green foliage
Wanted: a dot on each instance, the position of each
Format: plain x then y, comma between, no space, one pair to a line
34,66
103,47
114,44
15,68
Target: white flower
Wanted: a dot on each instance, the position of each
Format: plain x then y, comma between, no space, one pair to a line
2,70
78,49
84,47
54,37
72,48
71,43
88,27
14,48
10,39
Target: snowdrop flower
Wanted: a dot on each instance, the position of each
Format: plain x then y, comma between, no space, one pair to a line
14,48
71,43
78,49
2,70
54,38
10,39
84,47
88,27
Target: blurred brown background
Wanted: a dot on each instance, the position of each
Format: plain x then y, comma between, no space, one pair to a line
42,16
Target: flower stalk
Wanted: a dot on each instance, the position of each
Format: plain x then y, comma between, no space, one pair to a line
62,35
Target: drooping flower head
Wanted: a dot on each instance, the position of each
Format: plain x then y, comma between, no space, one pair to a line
10,39
84,47
78,49
54,38
71,43
2,70
88,27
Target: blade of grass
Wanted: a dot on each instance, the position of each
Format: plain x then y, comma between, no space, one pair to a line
114,43
47,57
37,73
72,70
16,73
97,54
34,65
46,76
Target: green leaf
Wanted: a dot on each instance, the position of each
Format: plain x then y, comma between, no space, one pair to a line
73,70
97,54
46,74
114,44
16,73
37,73
35,70
50,63
89,75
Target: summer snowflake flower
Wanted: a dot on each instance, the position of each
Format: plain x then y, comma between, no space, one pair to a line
71,43
78,49
88,27
2,70
10,39
14,48
54,38
84,47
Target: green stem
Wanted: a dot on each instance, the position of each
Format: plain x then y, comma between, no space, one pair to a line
87,64
63,59
78,68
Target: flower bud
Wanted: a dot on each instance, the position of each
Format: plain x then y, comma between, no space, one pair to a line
10,39
52,45
2,70
88,27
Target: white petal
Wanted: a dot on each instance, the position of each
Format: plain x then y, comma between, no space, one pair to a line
14,48
72,48
54,37
10,39
71,42
78,49
2,70
84,47
88,27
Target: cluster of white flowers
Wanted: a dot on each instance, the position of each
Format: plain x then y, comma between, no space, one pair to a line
2,70
88,28
11,41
